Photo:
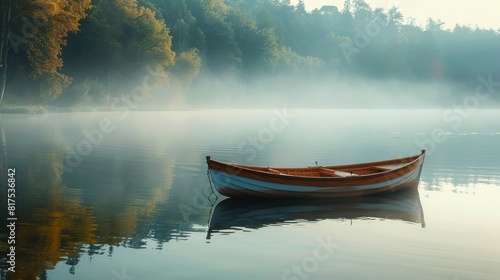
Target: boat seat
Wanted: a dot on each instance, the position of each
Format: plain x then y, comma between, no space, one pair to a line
345,174
379,168
273,171
327,172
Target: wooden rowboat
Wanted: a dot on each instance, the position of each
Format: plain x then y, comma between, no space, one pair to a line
237,180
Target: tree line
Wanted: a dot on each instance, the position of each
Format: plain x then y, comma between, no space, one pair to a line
92,51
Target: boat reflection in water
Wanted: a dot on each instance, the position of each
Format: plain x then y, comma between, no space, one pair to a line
234,214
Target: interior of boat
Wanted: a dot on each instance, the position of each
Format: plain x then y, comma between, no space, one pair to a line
325,171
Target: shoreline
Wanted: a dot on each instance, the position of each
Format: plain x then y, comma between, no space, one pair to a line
44,109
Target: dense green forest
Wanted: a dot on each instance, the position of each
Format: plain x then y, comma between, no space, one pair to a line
163,52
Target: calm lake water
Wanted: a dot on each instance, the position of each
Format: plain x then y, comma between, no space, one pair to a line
121,196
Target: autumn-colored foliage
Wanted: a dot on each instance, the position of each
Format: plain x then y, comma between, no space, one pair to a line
51,48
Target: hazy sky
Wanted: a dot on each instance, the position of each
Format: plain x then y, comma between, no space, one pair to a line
482,13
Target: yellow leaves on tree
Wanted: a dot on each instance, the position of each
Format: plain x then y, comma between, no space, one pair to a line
214,8
52,21
187,66
148,35
216,4
139,40
186,69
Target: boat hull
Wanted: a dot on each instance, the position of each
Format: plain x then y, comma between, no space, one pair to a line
239,181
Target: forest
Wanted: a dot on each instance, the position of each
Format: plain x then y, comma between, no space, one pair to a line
166,53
